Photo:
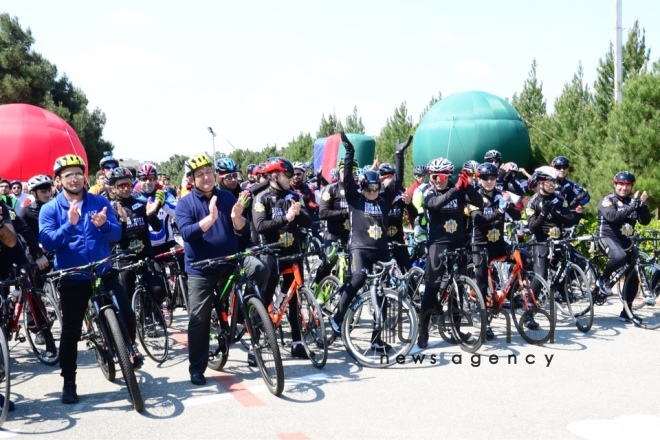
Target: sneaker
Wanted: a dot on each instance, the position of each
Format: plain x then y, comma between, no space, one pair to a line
39,339
605,287
423,340
138,359
251,359
298,351
489,334
166,313
336,328
531,324
623,317
69,394
380,345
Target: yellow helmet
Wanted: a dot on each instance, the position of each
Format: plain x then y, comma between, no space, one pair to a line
69,160
197,162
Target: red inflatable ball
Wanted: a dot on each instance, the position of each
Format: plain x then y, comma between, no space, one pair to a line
31,138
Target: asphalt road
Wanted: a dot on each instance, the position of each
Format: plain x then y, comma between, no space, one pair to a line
597,385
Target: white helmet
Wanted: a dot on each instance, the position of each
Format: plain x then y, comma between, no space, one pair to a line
440,165
38,181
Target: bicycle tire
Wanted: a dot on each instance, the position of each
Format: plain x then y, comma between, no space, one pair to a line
264,345
5,382
415,286
122,352
542,314
646,303
151,326
312,328
472,311
218,338
398,330
578,299
236,330
99,345
328,300
47,314
170,301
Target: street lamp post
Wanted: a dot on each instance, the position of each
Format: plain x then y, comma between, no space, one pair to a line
213,139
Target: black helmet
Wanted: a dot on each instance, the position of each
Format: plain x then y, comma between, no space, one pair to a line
624,177
225,165
560,161
120,173
250,168
419,170
493,155
386,168
487,169
369,178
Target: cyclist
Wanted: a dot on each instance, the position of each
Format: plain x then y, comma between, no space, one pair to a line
79,227
488,226
574,194
618,213
472,166
227,172
106,165
419,174
304,190
444,205
136,219
369,223
278,214
506,177
210,221
18,195
41,188
5,197
252,178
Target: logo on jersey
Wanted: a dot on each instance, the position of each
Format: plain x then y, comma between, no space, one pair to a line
392,230
451,226
326,196
136,245
375,232
347,225
493,235
259,207
554,233
627,229
286,239
607,203
342,192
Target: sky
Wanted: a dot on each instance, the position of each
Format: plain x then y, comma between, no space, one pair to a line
260,72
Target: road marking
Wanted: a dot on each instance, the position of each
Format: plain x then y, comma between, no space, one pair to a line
293,436
7,433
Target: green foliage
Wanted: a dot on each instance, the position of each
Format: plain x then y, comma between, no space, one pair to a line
300,149
531,103
397,129
329,126
354,123
173,167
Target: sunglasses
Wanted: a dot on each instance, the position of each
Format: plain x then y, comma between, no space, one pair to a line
550,182
298,174
109,167
229,176
561,167
371,187
493,161
71,176
288,175
489,178
147,179
441,177
124,185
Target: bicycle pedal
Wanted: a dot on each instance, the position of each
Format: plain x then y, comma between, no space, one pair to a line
20,338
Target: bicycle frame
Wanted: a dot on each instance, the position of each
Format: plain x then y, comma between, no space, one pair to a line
276,314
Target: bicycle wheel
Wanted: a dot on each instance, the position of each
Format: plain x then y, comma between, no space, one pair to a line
122,352
170,301
468,320
264,345
43,317
328,300
646,304
312,262
415,286
378,345
235,317
151,326
577,298
218,338
5,386
535,321
50,287
312,328
95,340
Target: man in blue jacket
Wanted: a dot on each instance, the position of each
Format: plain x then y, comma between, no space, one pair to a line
210,221
79,227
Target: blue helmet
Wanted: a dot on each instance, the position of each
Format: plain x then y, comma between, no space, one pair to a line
225,165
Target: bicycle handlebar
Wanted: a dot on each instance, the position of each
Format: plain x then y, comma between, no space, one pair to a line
83,270
171,253
239,255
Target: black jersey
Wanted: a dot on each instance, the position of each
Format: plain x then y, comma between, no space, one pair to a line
135,232
307,195
30,215
488,220
547,216
573,193
395,218
333,208
618,216
506,181
446,213
269,215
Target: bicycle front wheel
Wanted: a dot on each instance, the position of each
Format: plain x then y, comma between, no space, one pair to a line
376,343
533,312
415,286
646,305
312,328
151,326
5,387
123,356
264,344
96,341
327,296
578,299
468,314
43,326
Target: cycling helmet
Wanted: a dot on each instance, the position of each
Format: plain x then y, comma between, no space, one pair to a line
369,177
386,168
250,168
225,165
309,165
299,166
419,170
493,155
196,162
15,182
542,174
624,177
440,166
108,160
560,161
471,166
40,181
275,164
70,160
147,170
334,175
118,174
358,173
260,169
487,169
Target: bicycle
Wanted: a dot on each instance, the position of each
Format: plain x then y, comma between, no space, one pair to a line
533,312
41,316
327,290
310,315
175,282
104,328
312,247
258,324
381,324
150,322
569,284
5,376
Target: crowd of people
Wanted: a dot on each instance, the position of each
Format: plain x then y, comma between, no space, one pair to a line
56,220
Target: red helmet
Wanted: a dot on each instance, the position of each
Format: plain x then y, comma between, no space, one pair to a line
275,164
147,170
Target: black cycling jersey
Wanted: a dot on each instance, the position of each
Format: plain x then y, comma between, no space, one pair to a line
488,220
506,181
618,216
547,216
395,217
307,195
573,193
333,208
30,215
135,232
446,213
